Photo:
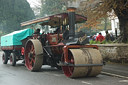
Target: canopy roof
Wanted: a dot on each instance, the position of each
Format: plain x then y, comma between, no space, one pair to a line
55,20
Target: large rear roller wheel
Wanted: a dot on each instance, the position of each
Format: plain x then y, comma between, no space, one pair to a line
83,57
33,55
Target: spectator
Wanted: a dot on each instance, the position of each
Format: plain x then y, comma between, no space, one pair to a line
112,37
100,37
94,37
107,37
90,38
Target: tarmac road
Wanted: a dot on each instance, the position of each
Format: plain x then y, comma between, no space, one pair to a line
117,69
19,75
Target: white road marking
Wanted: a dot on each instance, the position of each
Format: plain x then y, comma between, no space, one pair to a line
114,75
123,81
86,82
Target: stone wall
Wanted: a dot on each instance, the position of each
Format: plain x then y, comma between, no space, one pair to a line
116,52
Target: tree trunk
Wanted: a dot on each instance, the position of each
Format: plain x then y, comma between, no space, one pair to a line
123,29
105,25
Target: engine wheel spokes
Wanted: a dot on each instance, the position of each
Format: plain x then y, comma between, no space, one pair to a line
31,55
33,58
68,70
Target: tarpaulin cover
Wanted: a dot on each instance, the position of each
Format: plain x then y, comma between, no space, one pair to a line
15,37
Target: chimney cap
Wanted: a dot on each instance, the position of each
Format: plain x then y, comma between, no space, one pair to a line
71,9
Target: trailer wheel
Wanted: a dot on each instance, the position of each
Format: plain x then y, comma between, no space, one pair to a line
13,59
33,55
4,58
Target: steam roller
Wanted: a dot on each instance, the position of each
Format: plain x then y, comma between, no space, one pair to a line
64,48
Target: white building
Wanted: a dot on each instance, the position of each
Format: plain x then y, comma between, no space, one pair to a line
115,24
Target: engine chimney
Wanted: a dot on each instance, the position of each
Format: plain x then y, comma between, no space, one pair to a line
71,17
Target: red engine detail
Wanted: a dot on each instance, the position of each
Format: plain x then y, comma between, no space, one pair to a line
22,51
53,38
36,36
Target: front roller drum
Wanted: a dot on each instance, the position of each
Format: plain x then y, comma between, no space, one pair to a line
33,55
79,58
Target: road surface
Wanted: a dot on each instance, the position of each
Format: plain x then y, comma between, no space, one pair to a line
19,75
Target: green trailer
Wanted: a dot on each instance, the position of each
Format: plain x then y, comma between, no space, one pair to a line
12,45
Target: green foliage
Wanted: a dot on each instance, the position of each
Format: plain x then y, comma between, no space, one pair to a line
98,42
12,13
109,42
92,42
104,42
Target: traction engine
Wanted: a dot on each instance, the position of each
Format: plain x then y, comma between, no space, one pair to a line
64,48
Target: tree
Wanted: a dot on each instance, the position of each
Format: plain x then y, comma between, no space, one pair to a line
100,8
50,7
12,13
